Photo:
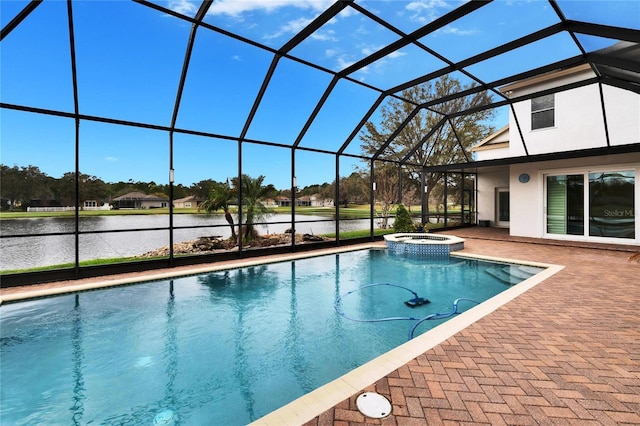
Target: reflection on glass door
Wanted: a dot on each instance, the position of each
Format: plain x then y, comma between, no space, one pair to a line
611,204
502,198
609,211
565,204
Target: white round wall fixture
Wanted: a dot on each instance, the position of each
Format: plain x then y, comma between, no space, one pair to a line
373,405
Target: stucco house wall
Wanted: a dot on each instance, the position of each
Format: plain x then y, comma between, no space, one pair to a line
488,181
578,124
578,121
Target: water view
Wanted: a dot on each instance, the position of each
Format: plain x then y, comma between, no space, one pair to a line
21,253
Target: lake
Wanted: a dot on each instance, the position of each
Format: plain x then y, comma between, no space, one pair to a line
29,252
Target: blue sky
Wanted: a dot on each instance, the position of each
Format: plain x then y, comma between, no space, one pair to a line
129,60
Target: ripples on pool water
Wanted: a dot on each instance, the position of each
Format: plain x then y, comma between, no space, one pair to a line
225,348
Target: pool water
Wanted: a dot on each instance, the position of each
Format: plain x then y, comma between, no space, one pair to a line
220,348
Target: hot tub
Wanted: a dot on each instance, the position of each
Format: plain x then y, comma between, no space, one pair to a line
423,244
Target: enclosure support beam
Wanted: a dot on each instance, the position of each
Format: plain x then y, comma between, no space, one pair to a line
399,183
446,195
336,199
400,128
293,198
604,115
202,11
19,18
372,199
76,113
423,198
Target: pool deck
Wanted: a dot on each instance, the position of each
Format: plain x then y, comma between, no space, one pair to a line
567,351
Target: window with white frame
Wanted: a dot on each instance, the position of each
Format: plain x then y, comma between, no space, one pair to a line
543,112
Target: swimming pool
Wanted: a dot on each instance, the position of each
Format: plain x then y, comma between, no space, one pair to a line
224,347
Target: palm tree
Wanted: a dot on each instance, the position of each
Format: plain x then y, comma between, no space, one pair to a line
252,193
221,196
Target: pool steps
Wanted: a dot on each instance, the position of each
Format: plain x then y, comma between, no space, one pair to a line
511,274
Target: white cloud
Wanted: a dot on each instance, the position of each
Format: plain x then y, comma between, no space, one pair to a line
425,5
291,27
396,54
329,53
236,58
324,35
344,61
236,7
368,50
111,159
425,11
184,7
458,31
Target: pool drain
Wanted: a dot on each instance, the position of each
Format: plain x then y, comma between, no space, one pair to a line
373,405
165,417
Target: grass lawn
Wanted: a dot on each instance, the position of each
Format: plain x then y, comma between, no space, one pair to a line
351,211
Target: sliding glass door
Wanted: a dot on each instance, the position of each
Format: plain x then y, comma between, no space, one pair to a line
611,204
603,200
565,204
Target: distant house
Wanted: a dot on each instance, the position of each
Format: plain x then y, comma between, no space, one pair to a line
306,200
300,201
190,202
316,201
139,200
283,201
270,203
95,205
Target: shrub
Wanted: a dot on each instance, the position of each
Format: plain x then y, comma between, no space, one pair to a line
403,222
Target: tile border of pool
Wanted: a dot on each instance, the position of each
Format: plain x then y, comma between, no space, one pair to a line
309,406
327,396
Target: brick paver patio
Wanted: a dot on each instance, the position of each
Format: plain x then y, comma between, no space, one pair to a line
565,352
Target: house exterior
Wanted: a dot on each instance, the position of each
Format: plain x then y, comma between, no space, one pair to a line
305,200
139,200
95,205
190,202
563,196
318,201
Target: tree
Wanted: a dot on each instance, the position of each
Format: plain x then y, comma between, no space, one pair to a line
221,196
451,143
403,222
179,191
327,191
90,187
22,184
10,188
353,189
203,188
386,192
253,191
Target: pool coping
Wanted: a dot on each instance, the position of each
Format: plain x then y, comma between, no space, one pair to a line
310,405
314,403
423,238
